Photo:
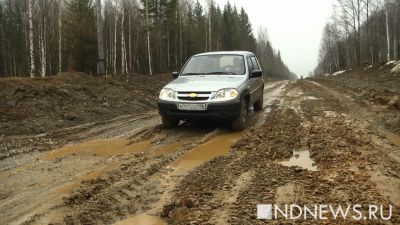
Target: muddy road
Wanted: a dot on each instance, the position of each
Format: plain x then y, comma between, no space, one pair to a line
312,144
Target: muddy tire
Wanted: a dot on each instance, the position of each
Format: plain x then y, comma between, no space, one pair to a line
258,106
241,122
169,123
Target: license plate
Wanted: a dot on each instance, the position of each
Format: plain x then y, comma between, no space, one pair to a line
192,107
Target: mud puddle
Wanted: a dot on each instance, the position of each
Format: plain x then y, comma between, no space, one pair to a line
302,159
170,148
217,146
107,147
141,220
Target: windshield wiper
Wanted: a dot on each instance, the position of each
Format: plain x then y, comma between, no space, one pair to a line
222,73
189,74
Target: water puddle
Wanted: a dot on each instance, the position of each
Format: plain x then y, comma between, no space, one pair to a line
217,146
141,220
167,149
301,159
107,147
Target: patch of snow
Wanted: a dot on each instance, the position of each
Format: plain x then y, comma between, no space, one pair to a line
310,98
390,63
368,67
325,75
396,69
339,72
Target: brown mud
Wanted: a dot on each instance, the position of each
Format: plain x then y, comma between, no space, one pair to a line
312,144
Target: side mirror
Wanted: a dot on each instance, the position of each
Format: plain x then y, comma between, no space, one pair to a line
256,73
175,75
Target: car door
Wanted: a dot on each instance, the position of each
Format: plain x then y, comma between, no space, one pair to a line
259,82
252,81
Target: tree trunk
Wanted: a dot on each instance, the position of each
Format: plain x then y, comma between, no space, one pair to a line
210,28
59,38
100,62
168,49
130,64
123,45
43,47
148,39
115,43
30,34
387,30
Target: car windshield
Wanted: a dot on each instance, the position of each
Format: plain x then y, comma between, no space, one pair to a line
215,65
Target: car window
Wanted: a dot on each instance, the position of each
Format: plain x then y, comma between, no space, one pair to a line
255,63
215,64
250,63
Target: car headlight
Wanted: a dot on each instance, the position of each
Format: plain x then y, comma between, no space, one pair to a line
225,94
167,94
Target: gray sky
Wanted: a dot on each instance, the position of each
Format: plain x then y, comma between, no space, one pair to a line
294,27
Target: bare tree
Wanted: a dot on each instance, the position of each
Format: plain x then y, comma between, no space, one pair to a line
148,37
123,44
387,30
352,11
30,34
42,36
115,41
100,46
60,36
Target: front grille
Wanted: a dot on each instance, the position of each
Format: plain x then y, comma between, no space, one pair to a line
193,99
194,96
196,92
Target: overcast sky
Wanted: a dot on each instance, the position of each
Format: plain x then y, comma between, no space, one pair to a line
294,27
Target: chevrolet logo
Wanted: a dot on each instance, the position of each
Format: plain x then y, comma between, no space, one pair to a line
193,95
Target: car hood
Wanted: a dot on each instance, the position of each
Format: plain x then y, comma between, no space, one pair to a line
207,83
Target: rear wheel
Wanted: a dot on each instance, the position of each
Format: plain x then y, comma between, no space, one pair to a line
241,122
169,123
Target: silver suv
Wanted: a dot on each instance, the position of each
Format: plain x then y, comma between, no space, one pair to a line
214,85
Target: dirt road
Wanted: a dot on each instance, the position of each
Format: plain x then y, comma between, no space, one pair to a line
310,145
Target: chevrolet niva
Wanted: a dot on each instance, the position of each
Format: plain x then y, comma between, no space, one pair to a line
214,85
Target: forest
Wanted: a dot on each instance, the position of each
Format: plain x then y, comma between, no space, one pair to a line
41,38
360,32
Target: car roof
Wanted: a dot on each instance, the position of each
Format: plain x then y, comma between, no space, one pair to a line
244,53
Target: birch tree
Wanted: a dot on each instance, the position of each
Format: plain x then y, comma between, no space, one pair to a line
99,27
60,5
46,37
123,44
30,34
148,36
387,30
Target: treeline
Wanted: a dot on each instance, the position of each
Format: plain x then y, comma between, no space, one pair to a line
121,37
270,59
360,32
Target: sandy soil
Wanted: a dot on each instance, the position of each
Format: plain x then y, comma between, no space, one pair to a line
312,143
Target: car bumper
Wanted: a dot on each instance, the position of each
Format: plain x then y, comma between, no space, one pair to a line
222,110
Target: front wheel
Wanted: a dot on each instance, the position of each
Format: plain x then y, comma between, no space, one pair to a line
240,123
169,123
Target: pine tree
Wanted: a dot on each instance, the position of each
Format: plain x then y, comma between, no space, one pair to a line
80,31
